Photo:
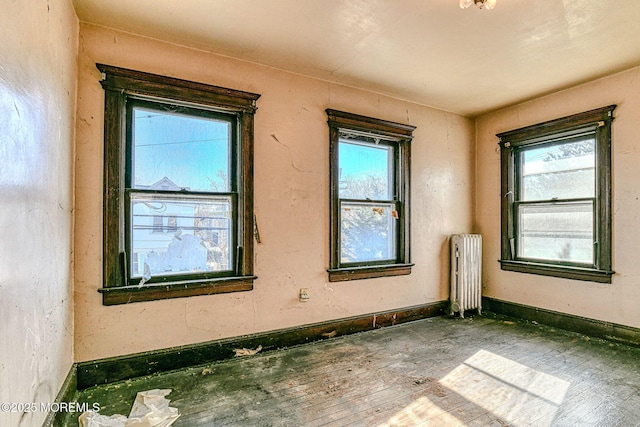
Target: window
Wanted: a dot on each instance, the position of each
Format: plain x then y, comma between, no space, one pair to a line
172,224
369,162
556,197
158,224
178,181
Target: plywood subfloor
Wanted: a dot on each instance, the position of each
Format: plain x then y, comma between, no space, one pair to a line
479,371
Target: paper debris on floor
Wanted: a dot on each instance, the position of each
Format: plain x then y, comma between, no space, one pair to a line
94,419
150,409
247,351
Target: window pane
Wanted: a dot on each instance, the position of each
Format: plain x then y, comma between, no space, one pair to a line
366,171
367,232
561,171
556,231
197,236
176,151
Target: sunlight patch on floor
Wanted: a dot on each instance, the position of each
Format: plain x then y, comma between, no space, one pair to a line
420,411
492,387
507,389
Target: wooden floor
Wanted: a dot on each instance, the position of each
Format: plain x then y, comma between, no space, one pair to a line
479,371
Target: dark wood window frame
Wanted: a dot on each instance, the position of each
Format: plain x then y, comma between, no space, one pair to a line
122,86
400,136
598,122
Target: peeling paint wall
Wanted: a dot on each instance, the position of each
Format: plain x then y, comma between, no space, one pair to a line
291,203
616,302
38,76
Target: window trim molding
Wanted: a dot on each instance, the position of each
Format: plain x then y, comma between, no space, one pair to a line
401,134
119,84
599,121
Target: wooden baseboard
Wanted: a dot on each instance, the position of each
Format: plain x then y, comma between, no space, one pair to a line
583,325
87,374
136,365
66,394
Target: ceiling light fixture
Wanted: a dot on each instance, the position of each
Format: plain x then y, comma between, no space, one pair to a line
482,4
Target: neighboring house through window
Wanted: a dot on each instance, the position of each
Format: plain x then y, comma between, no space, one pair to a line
556,197
369,173
178,171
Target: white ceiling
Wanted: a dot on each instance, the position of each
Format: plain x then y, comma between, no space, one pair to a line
430,52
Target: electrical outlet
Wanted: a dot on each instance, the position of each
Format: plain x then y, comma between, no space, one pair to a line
304,294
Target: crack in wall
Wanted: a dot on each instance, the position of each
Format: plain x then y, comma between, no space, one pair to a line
293,165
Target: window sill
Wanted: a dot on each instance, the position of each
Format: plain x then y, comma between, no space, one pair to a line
368,272
565,272
155,291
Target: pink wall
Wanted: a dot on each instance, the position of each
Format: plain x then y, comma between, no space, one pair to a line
616,302
38,75
291,203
